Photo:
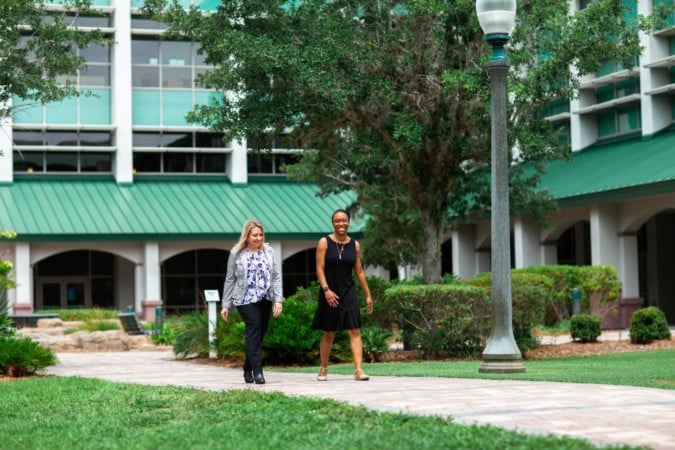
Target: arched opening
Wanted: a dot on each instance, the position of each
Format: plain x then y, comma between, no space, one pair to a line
446,257
299,270
186,276
574,245
77,279
656,262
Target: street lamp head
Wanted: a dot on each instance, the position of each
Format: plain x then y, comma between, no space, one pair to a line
496,18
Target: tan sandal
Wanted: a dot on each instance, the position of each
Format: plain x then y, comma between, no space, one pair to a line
359,375
323,374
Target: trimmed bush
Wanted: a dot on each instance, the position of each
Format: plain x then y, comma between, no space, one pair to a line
585,328
564,278
648,324
600,287
92,314
452,320
20,357
531,295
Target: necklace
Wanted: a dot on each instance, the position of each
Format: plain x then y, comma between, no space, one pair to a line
340,249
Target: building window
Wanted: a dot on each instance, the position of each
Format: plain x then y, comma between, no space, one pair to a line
163,79
91,107
179,163
270,163
62,138
80,278
187,140
187,275
155,152
62,162
622,120
299,271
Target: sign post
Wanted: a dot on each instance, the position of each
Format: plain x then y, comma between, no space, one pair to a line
212,298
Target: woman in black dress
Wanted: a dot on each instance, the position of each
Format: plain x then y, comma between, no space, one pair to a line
337,255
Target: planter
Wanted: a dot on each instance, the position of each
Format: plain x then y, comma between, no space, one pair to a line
618,313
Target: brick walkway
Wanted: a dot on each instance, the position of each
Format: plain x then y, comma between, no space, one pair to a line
600,413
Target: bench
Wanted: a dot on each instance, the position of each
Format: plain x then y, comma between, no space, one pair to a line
131,324
30,320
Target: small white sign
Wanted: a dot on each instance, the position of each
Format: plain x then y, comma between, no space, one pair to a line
211,295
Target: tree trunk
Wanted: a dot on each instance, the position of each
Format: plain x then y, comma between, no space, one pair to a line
431,251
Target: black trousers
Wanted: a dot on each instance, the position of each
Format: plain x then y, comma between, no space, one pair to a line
256,317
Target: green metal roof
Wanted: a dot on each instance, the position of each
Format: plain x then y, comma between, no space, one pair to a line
85,209
617,171
74,208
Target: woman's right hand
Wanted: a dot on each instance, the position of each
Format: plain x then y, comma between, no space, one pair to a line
331,298
224,313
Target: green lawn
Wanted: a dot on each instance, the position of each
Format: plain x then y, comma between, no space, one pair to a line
654,368
78,413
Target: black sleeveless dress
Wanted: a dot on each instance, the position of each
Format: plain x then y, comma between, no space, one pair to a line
338,268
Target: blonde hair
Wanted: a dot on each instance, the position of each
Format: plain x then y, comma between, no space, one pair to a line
249,225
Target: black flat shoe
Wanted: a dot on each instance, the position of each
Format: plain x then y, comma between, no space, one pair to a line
248,376
259,378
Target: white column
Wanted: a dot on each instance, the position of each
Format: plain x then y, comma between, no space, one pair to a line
7,158
151,271
237,163
23,275
463,254
604,239
139,287
121,96
628,265
526,242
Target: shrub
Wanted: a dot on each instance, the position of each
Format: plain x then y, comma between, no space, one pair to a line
290,338
449,319
375,342
165,336
75,315
648,324
585,328
380,317
231,337
20,357
564,279
600,287
192,335
6,324
98,325
530,295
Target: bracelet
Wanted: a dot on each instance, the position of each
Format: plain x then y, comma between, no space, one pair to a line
325,288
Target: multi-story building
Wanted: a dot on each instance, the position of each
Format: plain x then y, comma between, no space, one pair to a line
118,201
617,194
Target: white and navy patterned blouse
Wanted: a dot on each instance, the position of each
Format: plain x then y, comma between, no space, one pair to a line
257,277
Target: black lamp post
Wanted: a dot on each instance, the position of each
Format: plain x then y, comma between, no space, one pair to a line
501,353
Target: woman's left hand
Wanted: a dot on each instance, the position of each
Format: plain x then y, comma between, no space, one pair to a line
369,305
276,309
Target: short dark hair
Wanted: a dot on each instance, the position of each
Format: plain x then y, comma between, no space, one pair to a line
340,211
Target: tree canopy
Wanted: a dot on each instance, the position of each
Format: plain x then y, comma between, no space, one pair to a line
390,99
37,49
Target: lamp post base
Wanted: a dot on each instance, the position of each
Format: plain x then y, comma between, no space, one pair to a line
501,366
